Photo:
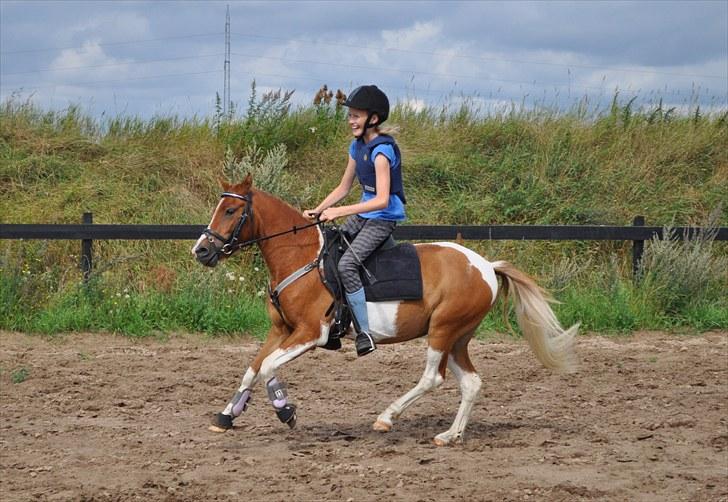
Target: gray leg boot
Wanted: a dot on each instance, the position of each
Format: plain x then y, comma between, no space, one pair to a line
358,304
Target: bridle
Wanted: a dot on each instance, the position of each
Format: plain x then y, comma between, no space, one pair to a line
231,244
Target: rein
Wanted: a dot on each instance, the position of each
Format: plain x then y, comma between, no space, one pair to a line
231,244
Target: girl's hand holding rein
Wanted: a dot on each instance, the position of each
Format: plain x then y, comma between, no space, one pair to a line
311,214
332,213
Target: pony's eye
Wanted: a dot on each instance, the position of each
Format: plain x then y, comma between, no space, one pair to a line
230,210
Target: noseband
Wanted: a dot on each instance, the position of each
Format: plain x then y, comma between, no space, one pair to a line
231,244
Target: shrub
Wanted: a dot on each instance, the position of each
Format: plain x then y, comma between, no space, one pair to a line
677,272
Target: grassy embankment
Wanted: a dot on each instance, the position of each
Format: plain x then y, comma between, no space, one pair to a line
517,167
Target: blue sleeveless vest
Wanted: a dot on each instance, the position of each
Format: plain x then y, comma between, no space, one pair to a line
365,172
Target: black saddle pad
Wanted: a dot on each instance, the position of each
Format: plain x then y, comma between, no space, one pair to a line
395,271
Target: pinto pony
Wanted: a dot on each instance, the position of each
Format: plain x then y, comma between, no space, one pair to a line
459,288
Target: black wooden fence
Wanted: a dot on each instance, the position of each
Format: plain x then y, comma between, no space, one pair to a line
87,232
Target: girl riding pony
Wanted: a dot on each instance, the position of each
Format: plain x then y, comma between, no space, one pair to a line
376,163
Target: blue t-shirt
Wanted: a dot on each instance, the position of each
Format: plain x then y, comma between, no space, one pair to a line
395,209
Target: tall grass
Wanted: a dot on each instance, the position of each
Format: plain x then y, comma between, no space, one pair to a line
516,166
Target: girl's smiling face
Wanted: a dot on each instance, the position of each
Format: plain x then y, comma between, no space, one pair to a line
357,120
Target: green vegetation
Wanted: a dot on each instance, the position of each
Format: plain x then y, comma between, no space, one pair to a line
19,375
516,167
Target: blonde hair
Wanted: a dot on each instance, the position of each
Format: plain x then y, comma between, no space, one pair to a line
389,129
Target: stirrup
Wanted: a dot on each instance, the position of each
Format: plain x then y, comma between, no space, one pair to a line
364,344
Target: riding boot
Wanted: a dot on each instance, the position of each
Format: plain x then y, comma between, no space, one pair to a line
358,304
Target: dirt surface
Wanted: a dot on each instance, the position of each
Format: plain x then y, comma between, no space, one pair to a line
100,417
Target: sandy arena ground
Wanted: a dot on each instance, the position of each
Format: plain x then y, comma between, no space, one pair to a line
101,417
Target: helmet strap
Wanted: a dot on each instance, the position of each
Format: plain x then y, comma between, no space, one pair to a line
367,125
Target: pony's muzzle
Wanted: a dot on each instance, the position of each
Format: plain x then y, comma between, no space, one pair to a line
206,254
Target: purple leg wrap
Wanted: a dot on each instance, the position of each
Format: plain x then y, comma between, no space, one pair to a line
277,393
240,402
280,403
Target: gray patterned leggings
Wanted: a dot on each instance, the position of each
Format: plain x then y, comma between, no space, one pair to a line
369,234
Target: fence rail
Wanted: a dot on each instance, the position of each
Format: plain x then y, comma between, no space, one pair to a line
87,232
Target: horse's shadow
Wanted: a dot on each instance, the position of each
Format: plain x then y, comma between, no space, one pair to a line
423,428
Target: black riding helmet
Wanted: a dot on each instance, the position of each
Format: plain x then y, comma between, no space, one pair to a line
371,99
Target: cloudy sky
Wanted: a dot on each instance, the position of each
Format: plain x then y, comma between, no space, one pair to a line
147,58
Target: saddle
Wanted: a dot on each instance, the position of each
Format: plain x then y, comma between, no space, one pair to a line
391,272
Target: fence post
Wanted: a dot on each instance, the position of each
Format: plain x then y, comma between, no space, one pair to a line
638,248
87,250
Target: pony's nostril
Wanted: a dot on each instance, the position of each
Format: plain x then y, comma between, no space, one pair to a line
202,251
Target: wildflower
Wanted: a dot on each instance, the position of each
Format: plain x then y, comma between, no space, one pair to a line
312,129
127,296
260,293
230,276
256,269
241,278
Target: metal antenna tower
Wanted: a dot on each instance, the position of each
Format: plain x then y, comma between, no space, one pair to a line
226,109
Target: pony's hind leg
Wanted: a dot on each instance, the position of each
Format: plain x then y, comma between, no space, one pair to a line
432,377
469,381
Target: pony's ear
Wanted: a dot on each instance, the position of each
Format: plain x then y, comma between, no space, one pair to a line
224,184
243,187
248,182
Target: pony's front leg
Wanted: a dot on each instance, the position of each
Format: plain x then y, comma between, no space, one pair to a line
301,340
239,402
237,405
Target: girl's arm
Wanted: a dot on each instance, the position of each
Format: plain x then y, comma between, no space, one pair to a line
380,201
338,193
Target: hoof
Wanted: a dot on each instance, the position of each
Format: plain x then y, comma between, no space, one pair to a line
447,440
221,423
380,426
440,442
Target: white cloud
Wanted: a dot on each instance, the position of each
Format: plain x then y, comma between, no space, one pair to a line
413,37
131,24
89,62
415,105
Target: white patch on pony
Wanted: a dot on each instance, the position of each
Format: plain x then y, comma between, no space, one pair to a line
430,379
323,334
248,380
202,239
279,357
321,240
383,319
484,266
469,386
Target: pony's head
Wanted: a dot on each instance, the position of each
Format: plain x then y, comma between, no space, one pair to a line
231,224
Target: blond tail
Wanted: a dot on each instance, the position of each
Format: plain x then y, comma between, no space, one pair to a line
553,346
